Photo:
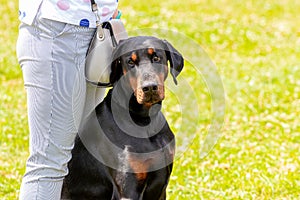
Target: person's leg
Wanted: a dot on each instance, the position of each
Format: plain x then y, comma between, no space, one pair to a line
51,55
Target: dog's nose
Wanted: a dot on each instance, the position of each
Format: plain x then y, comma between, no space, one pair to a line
150,88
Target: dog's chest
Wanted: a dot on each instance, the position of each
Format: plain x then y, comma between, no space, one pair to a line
138,153
122,131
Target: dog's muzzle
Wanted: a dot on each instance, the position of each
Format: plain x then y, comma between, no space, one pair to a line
150,93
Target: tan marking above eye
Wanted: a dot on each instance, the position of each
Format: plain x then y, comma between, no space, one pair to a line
133,56
150,51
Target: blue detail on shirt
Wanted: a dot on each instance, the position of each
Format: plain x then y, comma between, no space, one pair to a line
22,14
84,22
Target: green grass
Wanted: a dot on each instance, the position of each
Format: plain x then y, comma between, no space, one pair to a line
256,48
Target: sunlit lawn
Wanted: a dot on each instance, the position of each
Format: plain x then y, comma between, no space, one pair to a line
255,46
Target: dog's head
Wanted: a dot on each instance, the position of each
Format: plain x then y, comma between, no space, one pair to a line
144,62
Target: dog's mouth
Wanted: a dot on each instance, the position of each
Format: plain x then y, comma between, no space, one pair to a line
150,95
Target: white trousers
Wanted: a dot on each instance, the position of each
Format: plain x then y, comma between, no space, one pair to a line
51,55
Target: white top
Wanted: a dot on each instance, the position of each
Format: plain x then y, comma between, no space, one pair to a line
77,12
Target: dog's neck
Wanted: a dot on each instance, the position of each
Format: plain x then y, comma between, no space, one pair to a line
140,113
122,99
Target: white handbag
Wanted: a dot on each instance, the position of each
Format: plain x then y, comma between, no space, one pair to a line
99,54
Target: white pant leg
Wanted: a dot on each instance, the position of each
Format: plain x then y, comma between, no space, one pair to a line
51,55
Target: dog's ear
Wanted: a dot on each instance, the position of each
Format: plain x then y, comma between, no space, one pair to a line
175,59
116,65
116,71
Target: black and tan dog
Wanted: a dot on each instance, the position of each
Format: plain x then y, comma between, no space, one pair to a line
128,151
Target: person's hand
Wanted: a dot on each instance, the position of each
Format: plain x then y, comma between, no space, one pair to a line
117,14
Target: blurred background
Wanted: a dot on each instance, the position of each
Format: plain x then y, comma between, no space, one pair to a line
255,49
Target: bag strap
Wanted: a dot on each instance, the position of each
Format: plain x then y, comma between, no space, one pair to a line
94,7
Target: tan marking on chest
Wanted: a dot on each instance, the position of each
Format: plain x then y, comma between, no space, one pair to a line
139,167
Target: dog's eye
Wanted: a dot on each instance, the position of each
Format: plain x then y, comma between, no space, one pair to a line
156,58
131,63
